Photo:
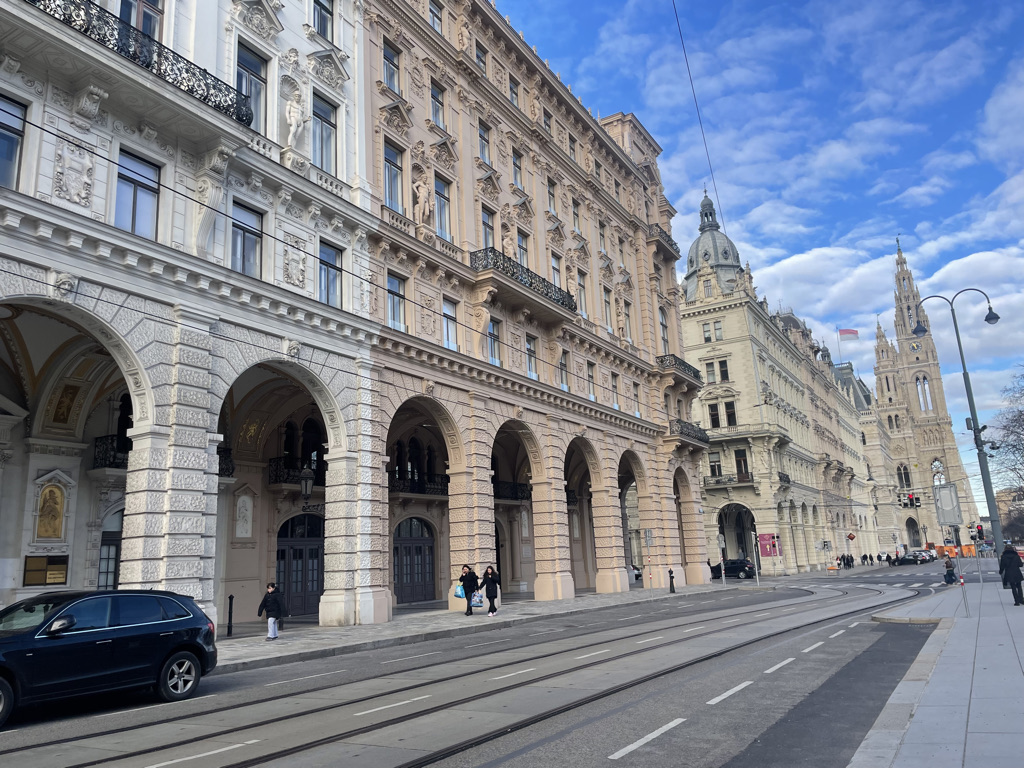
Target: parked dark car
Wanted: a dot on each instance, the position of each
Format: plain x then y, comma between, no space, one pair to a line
741,569
912,558
63,644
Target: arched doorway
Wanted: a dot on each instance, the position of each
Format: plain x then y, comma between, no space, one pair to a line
511,476
579,506
300,563
913,533
413,561
736,524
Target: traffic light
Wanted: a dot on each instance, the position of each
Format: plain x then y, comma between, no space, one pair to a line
981,535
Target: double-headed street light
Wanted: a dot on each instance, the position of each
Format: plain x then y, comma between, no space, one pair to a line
991,318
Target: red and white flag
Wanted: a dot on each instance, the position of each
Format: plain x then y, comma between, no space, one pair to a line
848,333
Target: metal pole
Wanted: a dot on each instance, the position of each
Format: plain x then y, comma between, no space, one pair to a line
963,588
757,558
231,613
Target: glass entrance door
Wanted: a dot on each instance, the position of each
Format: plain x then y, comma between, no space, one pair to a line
413,561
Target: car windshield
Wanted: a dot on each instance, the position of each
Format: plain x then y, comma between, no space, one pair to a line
29,613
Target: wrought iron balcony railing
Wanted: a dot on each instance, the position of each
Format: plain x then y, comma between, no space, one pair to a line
513,491
686,429
111,452
665,237
127,41
784,478
740,478
285,469
432,485
677,363
492,258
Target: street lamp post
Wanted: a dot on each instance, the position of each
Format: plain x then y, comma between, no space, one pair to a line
924,529
986,480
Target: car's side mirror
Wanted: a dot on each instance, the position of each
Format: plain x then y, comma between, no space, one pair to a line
63,624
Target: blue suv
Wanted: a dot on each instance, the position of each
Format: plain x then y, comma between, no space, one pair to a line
63,644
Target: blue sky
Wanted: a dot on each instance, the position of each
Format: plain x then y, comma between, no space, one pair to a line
833,125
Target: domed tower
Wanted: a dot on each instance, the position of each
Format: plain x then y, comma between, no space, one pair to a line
712,248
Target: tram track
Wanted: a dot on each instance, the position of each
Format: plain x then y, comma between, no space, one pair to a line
814,603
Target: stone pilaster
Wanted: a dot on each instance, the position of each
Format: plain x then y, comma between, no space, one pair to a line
552,538
608,542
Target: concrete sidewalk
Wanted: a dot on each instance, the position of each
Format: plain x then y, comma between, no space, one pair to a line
961,704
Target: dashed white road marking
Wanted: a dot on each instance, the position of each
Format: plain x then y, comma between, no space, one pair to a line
649,737
417,656
205,754
513,674
489,642
780,665
730,692
595,653
650,639
917,585
307,677
693,629
729,621
627,618
151,706
547,632
854,624
766,613
389,706
836,634
808,650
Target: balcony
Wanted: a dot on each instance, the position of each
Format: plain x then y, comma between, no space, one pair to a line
125,40
655,232
285,470
681,368
545,300
111,452
784,479
513,491
689,431
741,478
432,485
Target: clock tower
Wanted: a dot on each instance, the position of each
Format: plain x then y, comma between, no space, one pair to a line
912,404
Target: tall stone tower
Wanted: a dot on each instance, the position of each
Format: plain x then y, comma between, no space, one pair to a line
912,404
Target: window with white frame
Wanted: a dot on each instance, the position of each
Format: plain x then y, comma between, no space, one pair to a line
442,209
329,275
246,240
437,104
552,197
531,356
710,376
608,308
602,244
484,142
636,398
325,134
392,67
145,15
718,330
396,302
517,169
627,321
663,322
618,191
581,293
494,342
513,91
572,149
12,133
481,58
556,270
707,289
437,16
576,216
706,331
135,209
615,391
449,324
563,371
487,227
323,18
393,178
522,247
591,383
251,81
546,121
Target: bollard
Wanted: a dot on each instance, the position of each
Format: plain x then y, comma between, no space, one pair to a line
231,612
671,581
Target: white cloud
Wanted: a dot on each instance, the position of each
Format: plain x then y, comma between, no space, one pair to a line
1002,132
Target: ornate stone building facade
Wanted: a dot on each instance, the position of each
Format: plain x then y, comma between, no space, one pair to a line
787,454
337,294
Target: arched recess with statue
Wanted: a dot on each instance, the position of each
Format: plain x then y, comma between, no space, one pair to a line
512,473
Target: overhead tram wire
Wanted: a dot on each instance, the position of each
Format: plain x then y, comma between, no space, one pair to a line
581,380
700,122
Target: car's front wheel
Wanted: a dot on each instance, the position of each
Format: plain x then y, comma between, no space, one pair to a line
6,701
179,677
743,575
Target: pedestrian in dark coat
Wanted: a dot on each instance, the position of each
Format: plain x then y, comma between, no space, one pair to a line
1009,567
950,575
273,604
888,559
490,583
470,584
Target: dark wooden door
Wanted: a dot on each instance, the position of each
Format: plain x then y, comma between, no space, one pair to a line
413,563
300,563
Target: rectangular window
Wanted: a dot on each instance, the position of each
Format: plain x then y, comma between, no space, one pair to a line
144,15
716,420
392,61
597,170
12,130
393,178
663,321
137,191
437,104
572,149
481,58
581,292
730,413
706,328
323,18
246,240
715,462
636,398
531,357
547,121
742,469
487,227
709,373
575,216
442,209
396,303
556,270
591,386
718,330
494,342
329,275
251,80
723,370
618,191
552,193
608,309
707,289
513,90
622,251
563,371
436,16
517,169
325,134
522,248
602,244
449,325
615,391
484,144
626,319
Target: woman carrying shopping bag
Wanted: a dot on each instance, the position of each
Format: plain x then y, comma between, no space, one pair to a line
490,583
470,583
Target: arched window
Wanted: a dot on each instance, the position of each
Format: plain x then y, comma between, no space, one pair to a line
927,392
938,473
863,439
920,393
897,421
890,423
888,388
903,476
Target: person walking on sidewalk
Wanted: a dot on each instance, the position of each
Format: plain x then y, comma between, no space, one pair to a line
470,584
490,583
888,559
950,576
1009,567
273,604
